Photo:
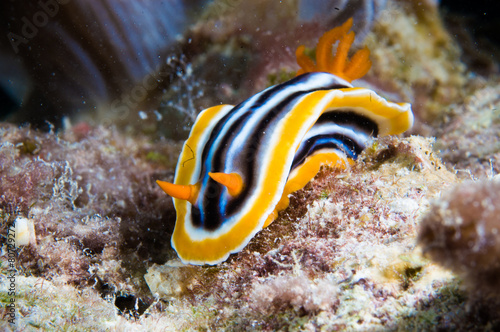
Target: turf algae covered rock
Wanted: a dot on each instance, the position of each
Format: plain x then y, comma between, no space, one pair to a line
462,232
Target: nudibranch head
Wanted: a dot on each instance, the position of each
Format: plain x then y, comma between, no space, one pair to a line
240,163
338,63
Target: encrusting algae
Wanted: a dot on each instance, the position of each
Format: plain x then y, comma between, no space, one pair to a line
349,268
461,232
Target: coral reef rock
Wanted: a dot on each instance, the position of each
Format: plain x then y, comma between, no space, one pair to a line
470,139
461,231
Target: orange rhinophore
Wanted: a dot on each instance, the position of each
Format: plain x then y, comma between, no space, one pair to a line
187,192
233,182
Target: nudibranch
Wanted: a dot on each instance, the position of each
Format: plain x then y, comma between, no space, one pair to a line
240,163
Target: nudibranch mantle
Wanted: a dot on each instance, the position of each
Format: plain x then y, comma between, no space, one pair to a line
240,163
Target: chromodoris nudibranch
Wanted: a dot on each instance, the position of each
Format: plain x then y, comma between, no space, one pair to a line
240,163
